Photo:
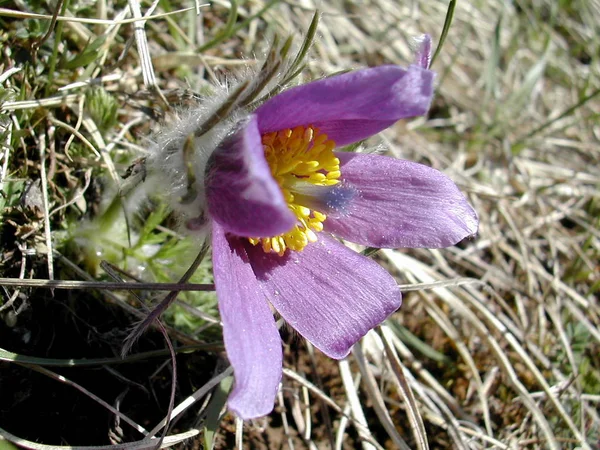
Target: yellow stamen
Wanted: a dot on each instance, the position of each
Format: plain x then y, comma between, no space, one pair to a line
302,154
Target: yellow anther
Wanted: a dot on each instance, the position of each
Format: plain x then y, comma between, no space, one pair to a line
319,216
316,225
302,211
312,237
317,178
306,155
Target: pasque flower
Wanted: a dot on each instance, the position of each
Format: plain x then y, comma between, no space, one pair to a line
278,195
275,194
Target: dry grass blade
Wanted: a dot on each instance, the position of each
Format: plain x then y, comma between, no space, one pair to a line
8,73
420,271
239,433
189,401
46,208
325,416
439,317
139,445
442,409
142,45
534,369
416,422
354,404
92,128
314,389
339,439
26,15
284,420
104,285
378,404
439,284
50,102
327,400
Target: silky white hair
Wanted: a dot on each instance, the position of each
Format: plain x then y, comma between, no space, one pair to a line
178,153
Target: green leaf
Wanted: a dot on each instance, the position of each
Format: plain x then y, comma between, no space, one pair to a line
5,445
150,224
493,64
89,54
10,194
213,411
227,31
369,251
413,341
522,95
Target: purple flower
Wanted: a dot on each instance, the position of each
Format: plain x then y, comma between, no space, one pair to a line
277,191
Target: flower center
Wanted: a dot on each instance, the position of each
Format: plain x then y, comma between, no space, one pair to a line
304,165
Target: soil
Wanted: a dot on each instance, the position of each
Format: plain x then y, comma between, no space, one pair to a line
80,325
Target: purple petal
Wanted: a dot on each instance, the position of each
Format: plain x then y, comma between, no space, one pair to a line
351,106
251,338
423,55
330,294
242,195
400,204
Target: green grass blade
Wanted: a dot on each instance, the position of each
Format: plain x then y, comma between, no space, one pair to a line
8,356
444,35
213,411
413,341
562,115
